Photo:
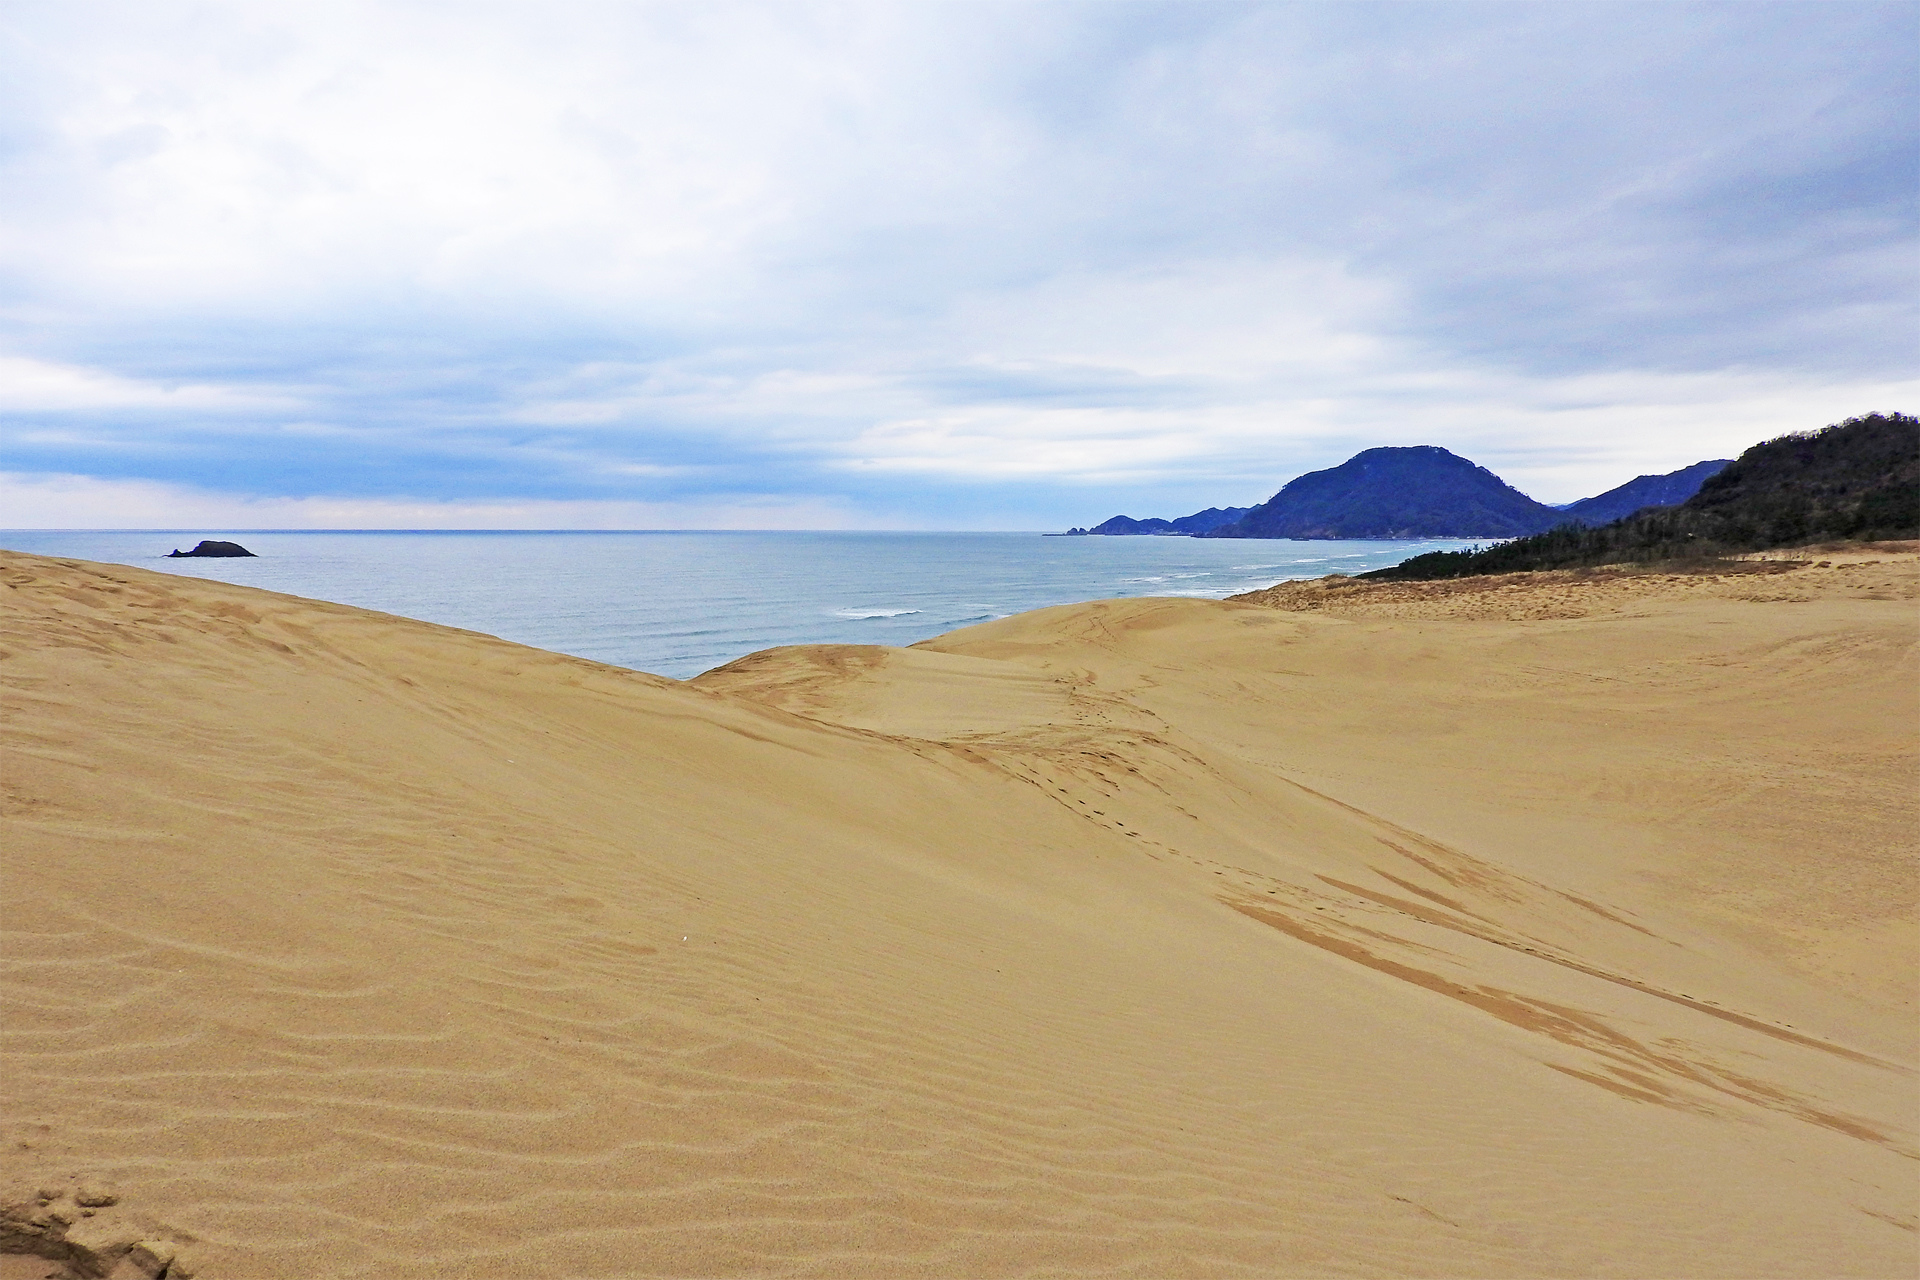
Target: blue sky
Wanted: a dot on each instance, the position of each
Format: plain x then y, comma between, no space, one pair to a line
915,265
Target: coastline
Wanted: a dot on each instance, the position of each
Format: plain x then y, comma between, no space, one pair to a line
679,603
1557,926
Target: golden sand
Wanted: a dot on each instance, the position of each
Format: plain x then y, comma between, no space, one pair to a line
1559,925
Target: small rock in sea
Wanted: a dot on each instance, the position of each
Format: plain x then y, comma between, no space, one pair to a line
211,548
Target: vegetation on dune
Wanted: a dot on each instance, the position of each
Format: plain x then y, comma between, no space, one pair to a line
1854,480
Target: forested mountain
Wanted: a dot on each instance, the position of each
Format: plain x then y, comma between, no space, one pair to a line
1858,479
1198,523
1643,491
1417,492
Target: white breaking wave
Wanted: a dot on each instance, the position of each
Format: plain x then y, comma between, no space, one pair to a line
682,603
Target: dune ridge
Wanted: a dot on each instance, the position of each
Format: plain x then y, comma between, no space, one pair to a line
1558,926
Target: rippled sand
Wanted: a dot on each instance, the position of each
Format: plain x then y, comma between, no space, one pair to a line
1545,926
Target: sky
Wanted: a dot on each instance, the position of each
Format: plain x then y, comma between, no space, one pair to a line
925,266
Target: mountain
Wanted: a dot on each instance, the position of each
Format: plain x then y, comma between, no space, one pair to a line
1200,522
1643,491
1418,492
1858,479
1204,522
1122,525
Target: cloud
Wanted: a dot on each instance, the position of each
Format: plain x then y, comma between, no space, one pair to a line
935,263
39,386
45,501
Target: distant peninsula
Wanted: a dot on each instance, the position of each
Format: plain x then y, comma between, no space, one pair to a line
1420,491
1197,524
210,548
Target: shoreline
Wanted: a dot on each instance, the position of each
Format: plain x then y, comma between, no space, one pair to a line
1548,927
681,605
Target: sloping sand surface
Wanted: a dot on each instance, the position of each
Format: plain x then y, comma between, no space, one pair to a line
1559,926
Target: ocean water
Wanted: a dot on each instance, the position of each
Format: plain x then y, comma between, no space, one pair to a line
678,603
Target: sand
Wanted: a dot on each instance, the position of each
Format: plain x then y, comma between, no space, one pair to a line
1553,926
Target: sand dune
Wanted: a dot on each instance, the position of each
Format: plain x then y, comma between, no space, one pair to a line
1556,927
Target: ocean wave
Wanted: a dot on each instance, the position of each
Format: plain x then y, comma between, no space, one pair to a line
863,615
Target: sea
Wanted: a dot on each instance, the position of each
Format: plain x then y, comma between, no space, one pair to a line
678,603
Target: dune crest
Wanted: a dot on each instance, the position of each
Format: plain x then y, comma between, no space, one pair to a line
1566,928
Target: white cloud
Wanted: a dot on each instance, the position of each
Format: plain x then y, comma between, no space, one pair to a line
28,385
608,248
1074,445
1569,438
1233,320
644,158
40,501
1556,439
